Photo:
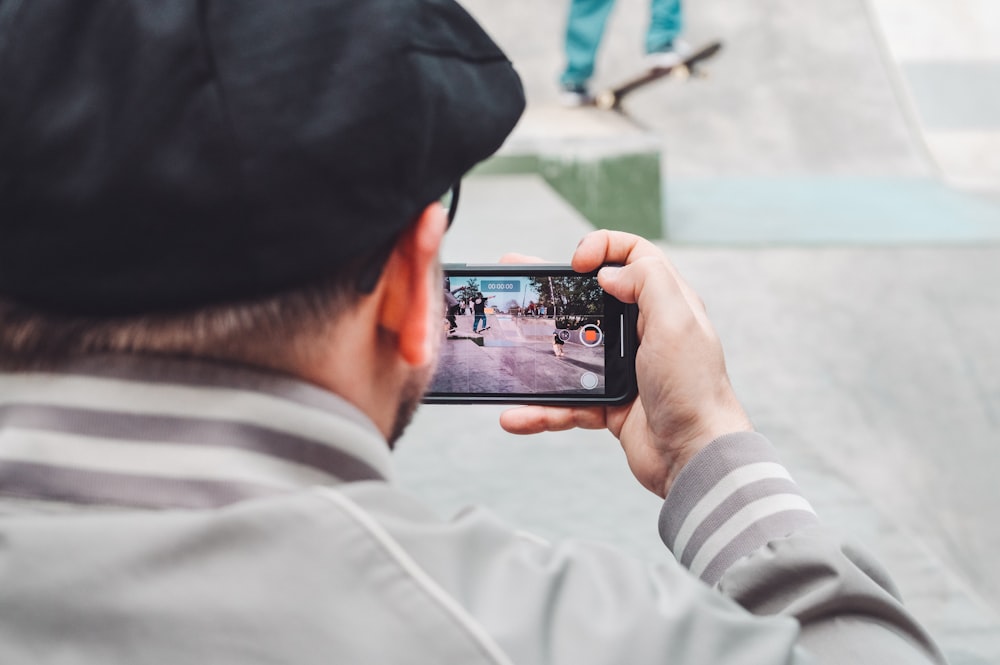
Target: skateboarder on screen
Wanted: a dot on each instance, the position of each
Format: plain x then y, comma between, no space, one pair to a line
479,308
585,27
557,345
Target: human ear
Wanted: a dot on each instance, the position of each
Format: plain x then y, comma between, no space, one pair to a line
411,288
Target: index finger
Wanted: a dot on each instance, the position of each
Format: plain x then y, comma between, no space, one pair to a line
537,419
603,247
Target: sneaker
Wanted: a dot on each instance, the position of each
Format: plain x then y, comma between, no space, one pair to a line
670,55
573,95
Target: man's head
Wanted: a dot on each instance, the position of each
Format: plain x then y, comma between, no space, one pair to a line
216,178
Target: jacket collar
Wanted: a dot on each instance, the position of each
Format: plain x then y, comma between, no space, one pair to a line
160,433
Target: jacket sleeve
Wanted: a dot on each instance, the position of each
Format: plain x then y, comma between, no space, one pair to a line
775,588
736,519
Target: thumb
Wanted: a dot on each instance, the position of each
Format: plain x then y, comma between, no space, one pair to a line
646,280
650,282
610,279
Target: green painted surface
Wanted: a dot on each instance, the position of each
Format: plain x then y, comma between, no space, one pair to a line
508,164
621,192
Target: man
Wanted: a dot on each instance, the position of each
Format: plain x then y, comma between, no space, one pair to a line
557,345
219,305
479,311
585,27
451,306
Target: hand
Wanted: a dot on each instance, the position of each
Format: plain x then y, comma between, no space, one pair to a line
685,399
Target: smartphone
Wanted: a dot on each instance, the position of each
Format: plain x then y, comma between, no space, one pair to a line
533,334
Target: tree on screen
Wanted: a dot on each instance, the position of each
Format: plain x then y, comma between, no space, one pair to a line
569,298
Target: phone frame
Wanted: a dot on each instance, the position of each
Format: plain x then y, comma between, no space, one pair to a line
619,367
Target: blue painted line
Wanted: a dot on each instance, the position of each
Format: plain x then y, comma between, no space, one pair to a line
826,210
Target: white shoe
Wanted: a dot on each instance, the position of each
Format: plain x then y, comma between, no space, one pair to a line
673,55
573,96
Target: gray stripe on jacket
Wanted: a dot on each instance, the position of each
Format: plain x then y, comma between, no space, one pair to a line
188,431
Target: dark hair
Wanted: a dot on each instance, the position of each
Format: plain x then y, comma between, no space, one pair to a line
268,331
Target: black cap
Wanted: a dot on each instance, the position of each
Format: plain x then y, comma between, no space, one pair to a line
166,155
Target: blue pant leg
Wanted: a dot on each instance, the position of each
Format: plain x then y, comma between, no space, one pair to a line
665,24
584,29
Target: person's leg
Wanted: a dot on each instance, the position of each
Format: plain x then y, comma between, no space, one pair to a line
665,23
584,29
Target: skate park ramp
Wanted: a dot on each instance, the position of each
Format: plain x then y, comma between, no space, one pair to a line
852,122
874,371
831,192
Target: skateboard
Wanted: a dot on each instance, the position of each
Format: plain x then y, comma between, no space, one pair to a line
611,99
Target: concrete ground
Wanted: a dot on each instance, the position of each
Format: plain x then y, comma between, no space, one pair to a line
874,371
821,122
503,361
832,195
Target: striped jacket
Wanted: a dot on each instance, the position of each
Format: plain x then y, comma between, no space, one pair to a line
158,511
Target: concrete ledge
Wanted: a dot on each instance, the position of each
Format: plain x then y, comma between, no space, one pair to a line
604,165
512,213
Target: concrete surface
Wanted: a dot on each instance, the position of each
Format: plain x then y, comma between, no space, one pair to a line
840,222
799,88
514,352
499,361
512,213
808,97
874,371
949,61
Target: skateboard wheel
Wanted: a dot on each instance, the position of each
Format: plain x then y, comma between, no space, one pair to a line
681,73
605,100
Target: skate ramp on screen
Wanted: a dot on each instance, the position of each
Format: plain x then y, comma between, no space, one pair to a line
522,328
509,359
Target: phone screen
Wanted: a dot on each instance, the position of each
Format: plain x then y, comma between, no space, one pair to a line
526,334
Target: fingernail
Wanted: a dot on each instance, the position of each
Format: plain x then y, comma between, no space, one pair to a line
609,272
